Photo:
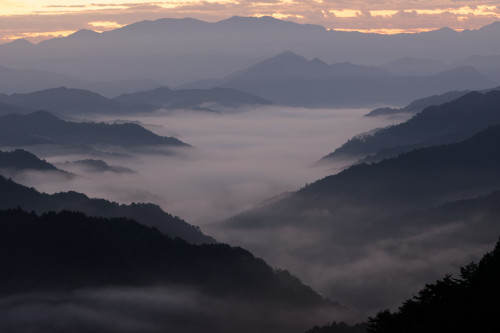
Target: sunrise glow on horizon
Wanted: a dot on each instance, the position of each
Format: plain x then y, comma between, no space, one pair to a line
38,20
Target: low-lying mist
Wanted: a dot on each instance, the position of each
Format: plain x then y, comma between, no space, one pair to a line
239,159
152,310
367,275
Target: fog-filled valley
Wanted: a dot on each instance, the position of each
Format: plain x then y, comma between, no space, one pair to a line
250,175
237,160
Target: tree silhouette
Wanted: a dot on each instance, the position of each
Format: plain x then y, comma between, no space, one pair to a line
468,303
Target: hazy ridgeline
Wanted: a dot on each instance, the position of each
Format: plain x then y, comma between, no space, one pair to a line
177,51
232,152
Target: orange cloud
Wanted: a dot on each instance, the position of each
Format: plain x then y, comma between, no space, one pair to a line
37,18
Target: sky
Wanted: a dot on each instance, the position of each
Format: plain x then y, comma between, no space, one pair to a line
37,20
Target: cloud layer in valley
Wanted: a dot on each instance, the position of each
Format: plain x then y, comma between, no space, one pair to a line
151,310
238,161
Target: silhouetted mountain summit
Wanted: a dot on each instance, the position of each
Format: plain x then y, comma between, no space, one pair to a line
44,128
290,79
168,50
266,22
13,195
83,33
290,65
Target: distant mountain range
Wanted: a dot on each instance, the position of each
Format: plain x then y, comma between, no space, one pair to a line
72,101
193,98
290,79
28,80
445,123
14,195
44,128
408,66
487,64
7,109
176,51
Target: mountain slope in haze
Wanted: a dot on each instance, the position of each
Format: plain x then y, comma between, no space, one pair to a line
168,50
375,222
31,80
65,250
339,328
419,105
20,160
7,109
83,102
27,80
456,304
92,165
13,195
186,288
411,66
487,64
44,128
71,101
192,98
290,79
414,180
446,123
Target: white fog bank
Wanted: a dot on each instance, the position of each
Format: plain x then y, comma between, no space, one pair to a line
238,161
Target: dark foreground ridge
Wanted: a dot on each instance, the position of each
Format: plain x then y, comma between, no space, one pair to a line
112,275
468,303
70,250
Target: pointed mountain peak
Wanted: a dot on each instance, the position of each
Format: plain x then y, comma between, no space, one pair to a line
245,19
318,61
21,42
445,30
495,26
84,33
42,115
162,89
289,56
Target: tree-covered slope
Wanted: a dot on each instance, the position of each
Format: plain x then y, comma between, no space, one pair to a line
13,195
468,303
42,127
446,123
